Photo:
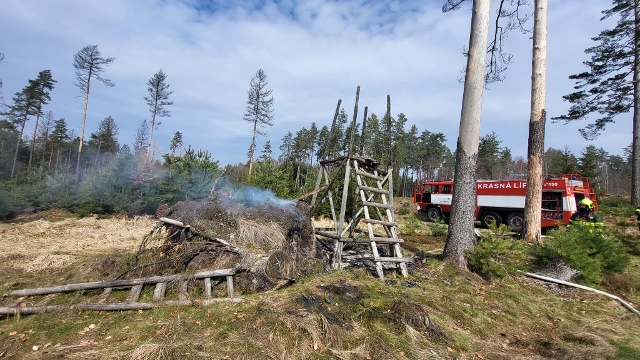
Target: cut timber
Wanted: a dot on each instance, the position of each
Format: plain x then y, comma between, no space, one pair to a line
173,222
380,222
311,193
160,289
118,283
120,306
378,205
183,290
134,295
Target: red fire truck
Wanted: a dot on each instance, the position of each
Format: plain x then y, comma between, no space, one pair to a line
502,201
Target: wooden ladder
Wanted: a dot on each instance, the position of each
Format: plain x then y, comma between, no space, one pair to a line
131,303
375,197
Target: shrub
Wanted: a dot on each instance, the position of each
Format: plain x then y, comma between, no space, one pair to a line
439,229
590,252
411,226
405,209
497,257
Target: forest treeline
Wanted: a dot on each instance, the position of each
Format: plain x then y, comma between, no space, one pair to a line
122,178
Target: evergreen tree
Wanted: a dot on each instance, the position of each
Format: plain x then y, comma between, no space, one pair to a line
59,139
259,110
89,64
142,137
41,87
590,163
176,143
106,136
610,86
24,105
157,100
286,148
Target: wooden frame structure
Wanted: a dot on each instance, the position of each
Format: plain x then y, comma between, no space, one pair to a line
372,204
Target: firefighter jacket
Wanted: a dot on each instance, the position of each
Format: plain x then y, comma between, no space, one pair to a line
586,217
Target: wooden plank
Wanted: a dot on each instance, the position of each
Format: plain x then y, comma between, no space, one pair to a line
119,283
366,174
230,286
392,259
207,287
120,306
377,205
372,189
173,222
381,240
134,295
304,196
159,291
105,294
183,293
380,222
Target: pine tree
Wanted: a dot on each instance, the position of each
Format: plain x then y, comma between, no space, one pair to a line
460,237
176,143
259,110
157,100
25,104
142,138
106,136
41,87
89,64
610,86
59,139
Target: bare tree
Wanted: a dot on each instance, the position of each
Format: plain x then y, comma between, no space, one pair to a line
158,98
460,238
533,199
510,16
89,64
259,110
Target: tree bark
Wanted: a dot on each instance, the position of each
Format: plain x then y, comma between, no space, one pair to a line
635,151
33,140
84,119
533,200
15,156
460,238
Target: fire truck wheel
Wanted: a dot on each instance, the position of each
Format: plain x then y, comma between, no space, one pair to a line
516,221
490,217
434,214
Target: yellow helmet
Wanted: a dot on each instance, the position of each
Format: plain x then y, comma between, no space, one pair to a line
587,202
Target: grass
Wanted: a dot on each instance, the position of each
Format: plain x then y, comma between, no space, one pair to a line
438,312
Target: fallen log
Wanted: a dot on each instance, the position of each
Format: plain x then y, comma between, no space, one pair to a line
120,283
624,303
173,222
120,306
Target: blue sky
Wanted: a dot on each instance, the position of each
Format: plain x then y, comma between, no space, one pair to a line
313,52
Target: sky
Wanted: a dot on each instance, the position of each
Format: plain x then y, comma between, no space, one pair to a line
313,52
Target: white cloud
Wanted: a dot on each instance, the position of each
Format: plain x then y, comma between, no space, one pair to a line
313,52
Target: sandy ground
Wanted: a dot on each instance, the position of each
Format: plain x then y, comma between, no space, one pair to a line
35,244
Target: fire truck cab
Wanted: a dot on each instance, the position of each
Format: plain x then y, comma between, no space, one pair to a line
502,201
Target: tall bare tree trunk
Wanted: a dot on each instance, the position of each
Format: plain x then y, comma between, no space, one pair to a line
33,140
84,119
15,156
253,146
460,238
153,124
533,200
635,151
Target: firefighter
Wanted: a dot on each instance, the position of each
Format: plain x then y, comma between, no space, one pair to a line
638,217
585,214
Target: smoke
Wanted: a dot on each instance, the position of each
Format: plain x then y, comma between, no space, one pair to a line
252,197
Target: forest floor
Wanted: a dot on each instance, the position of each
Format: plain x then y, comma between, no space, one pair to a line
438,312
